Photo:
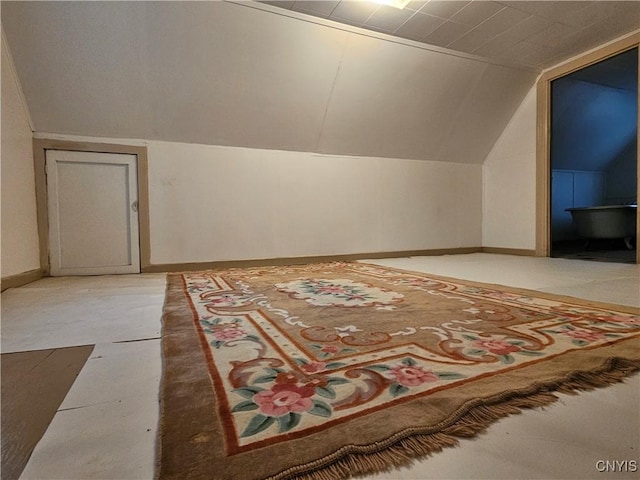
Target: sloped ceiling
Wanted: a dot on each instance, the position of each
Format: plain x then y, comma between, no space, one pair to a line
534,33
224,74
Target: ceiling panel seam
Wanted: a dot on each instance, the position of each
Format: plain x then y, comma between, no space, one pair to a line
330,96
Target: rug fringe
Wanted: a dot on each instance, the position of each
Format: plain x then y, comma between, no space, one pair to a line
404,448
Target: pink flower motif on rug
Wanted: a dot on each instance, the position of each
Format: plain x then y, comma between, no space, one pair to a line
583,337
330,349
339,292
227,332
226,300
497,347
488,348
283,404
284,398
314,367
408,374
586,335
412,376
326,352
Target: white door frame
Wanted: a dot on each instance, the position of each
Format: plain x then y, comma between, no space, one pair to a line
52,158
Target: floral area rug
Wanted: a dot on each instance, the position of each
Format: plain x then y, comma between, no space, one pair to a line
329,370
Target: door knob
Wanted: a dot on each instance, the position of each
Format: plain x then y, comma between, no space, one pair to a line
134,206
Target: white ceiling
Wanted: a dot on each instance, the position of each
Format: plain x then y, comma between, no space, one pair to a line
538,34
220,73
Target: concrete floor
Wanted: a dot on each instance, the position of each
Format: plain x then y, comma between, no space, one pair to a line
107,425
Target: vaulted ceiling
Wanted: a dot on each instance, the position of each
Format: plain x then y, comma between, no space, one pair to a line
246,74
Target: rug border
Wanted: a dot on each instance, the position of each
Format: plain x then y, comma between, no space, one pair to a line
518,290
417,442
157,451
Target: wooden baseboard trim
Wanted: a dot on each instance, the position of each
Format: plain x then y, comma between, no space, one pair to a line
21,279
510,251
186,267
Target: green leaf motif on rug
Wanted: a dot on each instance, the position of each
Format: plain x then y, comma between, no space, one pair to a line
396,389
476,352
410,362
248,392
265,379
288,421
449,375
327,392
337,381
506,359
209,322
530,353
378,368
285,422
320,409
245,406
258,424
332,365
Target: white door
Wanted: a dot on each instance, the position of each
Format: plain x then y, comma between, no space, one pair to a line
93,213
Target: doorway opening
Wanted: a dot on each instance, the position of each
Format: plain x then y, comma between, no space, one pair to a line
593,161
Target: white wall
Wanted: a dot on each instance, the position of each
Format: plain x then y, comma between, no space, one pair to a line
211,203
509,182
20,251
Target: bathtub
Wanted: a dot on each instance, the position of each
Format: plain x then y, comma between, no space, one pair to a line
611,221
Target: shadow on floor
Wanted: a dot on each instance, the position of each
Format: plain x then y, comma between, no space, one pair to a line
602,250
